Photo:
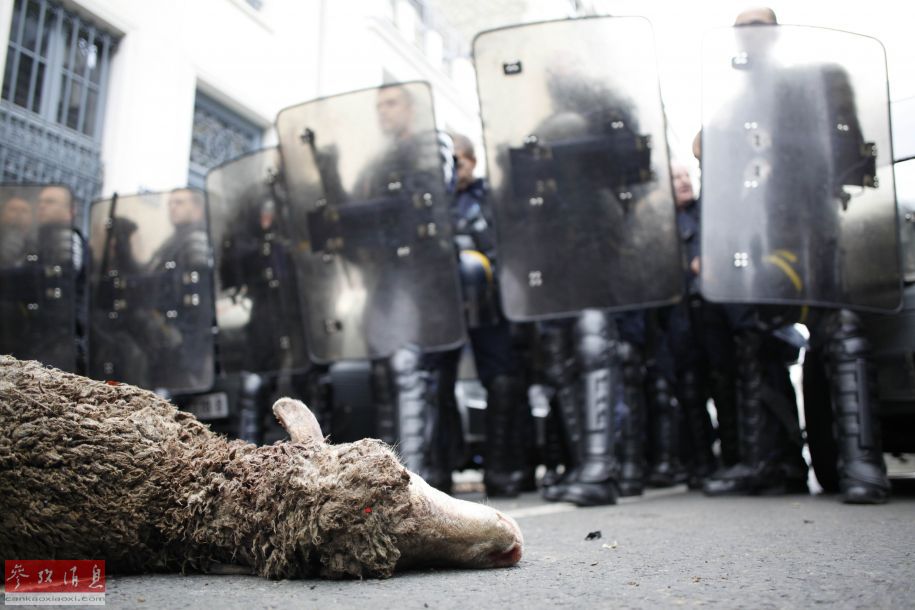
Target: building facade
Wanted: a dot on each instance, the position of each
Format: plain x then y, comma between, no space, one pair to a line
111,96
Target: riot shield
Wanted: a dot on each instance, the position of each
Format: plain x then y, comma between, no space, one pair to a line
151,284
798,202
41,273
370,215
578,166
905,198
257,298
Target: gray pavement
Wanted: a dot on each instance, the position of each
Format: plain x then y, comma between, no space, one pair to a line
668,548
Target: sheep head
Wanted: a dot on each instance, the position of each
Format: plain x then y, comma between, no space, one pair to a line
437,530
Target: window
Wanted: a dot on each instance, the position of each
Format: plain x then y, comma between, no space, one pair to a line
218,135
52,99
57,66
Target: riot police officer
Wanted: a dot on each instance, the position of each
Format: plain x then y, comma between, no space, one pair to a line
755,402
16,220
178,327
580,193
61,245
256,274
377,257
42,288
804,249
489,332
683,336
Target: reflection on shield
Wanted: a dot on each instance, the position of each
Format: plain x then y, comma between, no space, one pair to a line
40,258
152,291
797,176
578,166
377,266
905,196
257,306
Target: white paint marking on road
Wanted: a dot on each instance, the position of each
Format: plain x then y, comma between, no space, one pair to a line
566,507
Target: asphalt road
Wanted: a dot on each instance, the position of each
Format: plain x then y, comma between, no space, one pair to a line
668,548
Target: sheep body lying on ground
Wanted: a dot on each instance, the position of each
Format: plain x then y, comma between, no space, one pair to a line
94,470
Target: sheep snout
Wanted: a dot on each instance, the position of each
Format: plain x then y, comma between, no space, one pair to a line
460,533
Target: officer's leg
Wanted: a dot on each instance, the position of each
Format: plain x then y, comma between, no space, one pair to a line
781,400
631,403
664,410
504,458
553,449
757,471
691,393
506,409
862,471
723,390
415,392
685,332
447,434
541,437
596,483
718,341
631,417
558,362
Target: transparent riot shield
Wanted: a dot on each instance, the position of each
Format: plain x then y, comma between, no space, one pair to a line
798,202
152,291
257,296
370,215
905,198
578,166
41,274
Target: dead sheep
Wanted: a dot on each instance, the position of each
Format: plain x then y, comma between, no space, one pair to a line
92,470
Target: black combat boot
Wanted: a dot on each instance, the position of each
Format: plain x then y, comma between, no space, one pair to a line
698,428
632,419
862,471
415,393
665,434
596,481
758,471
559,370
504,458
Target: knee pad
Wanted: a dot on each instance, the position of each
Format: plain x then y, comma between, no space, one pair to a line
594,340
405,360
594,352
845,336
593,322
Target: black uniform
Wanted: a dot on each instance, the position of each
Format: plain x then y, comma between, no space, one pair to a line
507,415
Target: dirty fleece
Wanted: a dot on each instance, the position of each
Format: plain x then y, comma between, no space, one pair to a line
92,470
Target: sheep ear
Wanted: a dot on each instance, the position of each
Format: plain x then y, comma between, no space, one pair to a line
299,421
